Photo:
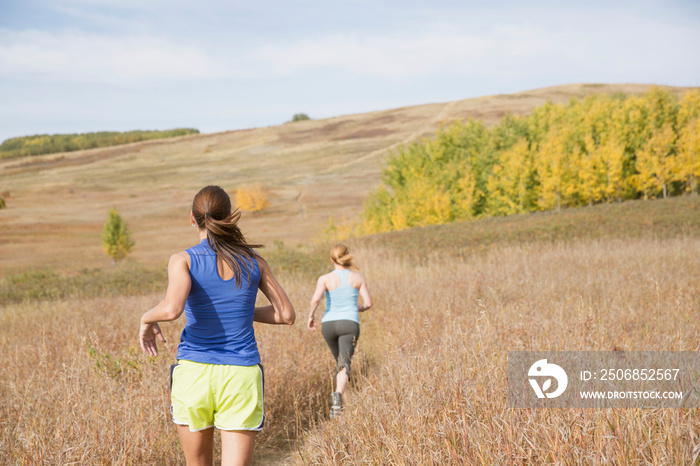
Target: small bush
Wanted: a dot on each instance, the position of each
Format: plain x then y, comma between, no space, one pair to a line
300,117
251,198
337,231
116,239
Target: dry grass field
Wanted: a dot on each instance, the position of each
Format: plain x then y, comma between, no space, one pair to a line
430,372
429,383
439,395
312,169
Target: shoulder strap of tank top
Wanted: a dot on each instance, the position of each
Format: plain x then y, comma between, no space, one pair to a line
343,274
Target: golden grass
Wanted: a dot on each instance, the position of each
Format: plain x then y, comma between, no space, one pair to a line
439,396
76,388
430,368
444,330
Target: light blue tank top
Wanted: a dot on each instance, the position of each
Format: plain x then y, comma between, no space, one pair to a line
219,313
341,303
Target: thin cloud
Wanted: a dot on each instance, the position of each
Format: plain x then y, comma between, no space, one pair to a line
378,56
95,62
82,57
78,56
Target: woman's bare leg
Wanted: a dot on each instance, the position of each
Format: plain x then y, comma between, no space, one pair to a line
237,447
198,446
340,380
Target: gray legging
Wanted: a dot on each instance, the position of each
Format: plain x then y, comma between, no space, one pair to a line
341,336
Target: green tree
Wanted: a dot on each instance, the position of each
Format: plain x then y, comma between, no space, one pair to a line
116,238
300,117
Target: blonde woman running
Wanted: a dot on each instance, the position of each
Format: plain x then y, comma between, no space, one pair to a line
341,319
219,380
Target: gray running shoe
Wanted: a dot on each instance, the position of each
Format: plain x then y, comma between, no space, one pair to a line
336,405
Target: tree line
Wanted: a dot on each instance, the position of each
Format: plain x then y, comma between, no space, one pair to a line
52,143
603,148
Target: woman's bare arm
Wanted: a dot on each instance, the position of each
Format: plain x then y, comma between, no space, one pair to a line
170,308
280,310
366,297
315,299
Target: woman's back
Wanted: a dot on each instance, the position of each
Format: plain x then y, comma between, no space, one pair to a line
219,328
218,381
341,318
341,300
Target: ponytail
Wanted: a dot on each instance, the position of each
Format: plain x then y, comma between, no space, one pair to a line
341,256
211,209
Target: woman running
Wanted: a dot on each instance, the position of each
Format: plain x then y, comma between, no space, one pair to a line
341,319
218,381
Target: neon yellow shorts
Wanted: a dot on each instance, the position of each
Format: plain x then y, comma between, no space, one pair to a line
222,396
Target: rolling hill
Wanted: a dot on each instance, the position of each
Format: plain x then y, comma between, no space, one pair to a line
312,169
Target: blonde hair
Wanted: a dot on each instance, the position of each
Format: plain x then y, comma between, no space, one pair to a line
341,256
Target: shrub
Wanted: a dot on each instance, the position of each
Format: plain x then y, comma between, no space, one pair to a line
116,239
337,231
300,117
251,198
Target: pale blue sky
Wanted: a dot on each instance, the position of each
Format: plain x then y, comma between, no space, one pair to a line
91,65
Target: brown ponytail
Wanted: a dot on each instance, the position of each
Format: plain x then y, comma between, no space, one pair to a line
211,209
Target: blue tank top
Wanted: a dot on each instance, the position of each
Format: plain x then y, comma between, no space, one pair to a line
341,303
219,313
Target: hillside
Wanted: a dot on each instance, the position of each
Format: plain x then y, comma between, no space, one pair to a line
312,169
657,219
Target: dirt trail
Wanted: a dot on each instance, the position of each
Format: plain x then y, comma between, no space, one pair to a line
302,208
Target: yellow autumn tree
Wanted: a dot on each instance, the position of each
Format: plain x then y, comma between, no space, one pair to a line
425,204
550,168
656,163
251,198
467,193
689,107
398,217
376,214
589,174
611,155
687,169
510,182
602,148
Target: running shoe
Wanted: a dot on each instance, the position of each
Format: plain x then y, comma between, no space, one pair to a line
336,405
